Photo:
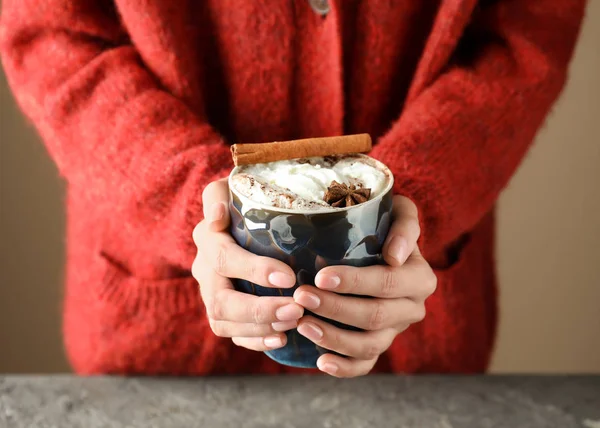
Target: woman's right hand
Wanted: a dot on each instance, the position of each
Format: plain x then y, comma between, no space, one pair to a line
252,322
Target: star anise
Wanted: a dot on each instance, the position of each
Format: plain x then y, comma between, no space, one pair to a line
341,195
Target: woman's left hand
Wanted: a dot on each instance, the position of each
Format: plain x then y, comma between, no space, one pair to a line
398,292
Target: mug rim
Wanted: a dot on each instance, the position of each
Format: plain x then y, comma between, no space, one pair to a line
249,203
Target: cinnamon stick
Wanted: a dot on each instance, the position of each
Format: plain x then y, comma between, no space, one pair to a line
245,154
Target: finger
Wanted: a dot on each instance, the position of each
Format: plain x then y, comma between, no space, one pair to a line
261,343
360,345
210,283
414,279
223,303
215,200
337,366
228,259
232,305
404,232
236,329
361,312
201,269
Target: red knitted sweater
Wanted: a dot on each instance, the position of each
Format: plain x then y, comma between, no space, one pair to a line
138,100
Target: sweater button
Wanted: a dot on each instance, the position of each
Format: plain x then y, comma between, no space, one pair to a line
320,7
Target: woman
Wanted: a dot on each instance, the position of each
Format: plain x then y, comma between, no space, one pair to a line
137,102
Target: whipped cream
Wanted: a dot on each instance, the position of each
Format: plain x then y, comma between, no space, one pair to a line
301,184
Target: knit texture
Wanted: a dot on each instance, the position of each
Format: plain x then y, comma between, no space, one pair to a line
138,100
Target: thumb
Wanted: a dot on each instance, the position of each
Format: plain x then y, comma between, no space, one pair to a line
215,199
404,232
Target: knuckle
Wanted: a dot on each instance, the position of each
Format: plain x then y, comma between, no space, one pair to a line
355,279
402,328
196,234
415,225
334,339
377,318
216,309
372,351
252,271
262,330
209,305
419,314
220,262
258,313
337,307
365,370
388,285
197,270
431,283
216,327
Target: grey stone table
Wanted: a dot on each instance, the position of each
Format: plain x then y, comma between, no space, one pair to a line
298,402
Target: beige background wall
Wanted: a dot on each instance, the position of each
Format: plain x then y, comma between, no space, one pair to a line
549,239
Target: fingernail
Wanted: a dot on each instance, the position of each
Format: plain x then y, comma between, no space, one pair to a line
217,212
398,248
289,313
273,342
284,325
281,280
308,300
311,331
328,282
328,367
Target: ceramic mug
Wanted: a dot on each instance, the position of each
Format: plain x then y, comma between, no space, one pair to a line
308,241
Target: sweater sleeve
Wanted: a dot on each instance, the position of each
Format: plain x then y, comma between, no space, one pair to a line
142,154
459,140
139,156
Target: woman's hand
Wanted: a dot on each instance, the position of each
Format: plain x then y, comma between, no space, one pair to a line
253,322
399,292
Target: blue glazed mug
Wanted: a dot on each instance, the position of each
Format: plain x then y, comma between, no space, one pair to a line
308,241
